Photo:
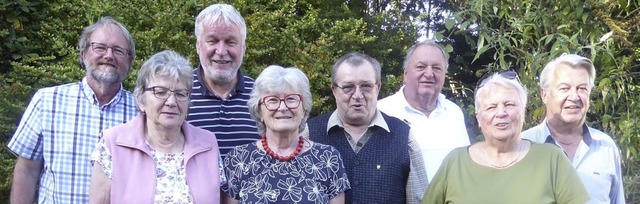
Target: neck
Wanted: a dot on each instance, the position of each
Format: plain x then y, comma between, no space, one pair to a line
355,130
165,140
104,92
424,104
499,147
565,133
282,141
221,89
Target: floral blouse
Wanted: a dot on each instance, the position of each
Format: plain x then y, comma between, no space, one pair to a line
314,176
171,185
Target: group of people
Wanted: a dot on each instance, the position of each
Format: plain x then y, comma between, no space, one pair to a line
214,135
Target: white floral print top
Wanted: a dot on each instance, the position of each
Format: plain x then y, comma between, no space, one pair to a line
171,185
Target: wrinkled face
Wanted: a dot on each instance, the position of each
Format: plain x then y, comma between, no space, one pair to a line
169,112
286,116
500,114
109,67
425,74
359,106
567,96
220,48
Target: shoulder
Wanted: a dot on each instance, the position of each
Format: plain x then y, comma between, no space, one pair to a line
393,121
534,134
199,134
322,117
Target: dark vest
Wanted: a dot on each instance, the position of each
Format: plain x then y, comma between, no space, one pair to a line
379,172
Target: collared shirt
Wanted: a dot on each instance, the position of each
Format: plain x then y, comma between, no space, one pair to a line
61,126
228,118
418,182
437,134
597,161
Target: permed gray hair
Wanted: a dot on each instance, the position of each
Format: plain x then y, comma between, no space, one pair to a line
274,79
498,80
355,59
572,60
104,22
226,12
413,48
167,64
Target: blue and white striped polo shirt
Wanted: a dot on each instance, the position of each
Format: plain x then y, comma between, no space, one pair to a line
61,126
228,119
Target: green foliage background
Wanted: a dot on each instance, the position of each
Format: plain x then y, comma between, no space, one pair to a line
39,37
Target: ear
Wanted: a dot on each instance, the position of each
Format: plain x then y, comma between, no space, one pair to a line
197,46
544,95
140,103
334,90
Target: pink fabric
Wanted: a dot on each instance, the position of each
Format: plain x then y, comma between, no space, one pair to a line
133,179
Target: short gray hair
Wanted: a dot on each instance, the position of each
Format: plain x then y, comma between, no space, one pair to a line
355,59
104,22
168,64
275,78
226,12
413,48
498,80
572,60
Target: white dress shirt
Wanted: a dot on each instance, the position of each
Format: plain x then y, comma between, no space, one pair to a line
437,134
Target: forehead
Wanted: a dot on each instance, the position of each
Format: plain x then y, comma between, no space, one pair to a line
427,54
565,73
220,29
348,73
493,93
110,35
166,81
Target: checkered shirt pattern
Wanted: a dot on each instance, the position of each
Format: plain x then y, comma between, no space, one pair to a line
61,126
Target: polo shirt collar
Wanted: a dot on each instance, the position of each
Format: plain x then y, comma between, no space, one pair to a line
586,136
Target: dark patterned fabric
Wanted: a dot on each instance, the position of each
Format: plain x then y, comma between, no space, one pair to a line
314,176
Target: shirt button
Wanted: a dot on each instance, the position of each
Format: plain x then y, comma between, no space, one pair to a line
356,183
357,162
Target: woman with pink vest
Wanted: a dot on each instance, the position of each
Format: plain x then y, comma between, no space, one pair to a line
158,157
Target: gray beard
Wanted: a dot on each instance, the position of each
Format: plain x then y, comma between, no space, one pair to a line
104,77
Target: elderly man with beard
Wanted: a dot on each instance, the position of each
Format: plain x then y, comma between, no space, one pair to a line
220,90
62,124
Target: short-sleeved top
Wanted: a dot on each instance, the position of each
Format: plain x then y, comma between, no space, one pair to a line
314,176
61,126
544,175
229,118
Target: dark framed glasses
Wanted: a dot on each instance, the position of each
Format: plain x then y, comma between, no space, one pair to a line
291,101
163,93
508,74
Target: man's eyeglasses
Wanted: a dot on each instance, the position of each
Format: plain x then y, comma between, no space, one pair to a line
163,93
291,101
508,74
351,88
102,49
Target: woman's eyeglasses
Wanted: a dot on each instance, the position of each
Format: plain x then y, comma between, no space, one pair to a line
508,74
163,93
291,101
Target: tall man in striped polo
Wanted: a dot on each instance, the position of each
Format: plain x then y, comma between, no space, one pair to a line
62,124
220,91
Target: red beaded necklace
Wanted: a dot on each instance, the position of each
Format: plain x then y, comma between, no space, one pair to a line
278,157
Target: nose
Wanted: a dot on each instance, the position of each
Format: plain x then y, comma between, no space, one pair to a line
172,100
573,95
221,48
282,106
428,72
357,93
109,53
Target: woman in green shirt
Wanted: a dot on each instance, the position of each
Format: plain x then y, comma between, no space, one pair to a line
505,168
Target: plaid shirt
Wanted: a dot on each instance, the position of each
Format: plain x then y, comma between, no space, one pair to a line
61,126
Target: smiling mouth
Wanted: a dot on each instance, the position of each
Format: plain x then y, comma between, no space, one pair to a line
572,107
502,125
222,61
283,117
